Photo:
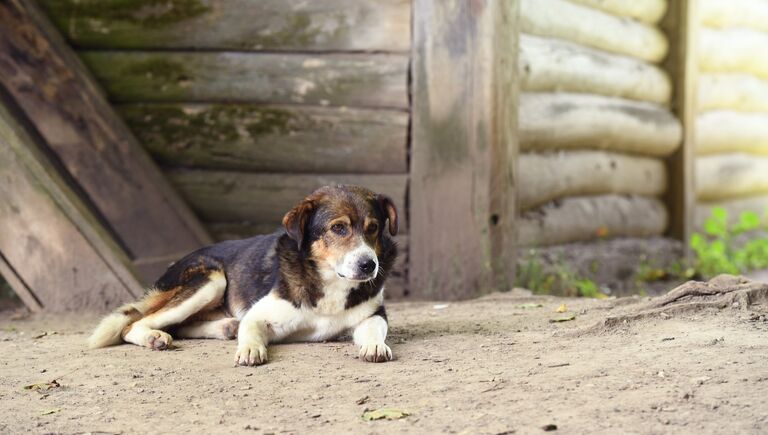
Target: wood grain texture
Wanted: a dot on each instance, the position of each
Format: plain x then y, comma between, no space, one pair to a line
681,27
264,199
316,25
555,65
462,200
64,104
272,138
54,252
548,176
363,80
551,121
584,218
584,25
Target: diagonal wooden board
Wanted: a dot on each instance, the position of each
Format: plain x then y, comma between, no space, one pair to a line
53,251
118,180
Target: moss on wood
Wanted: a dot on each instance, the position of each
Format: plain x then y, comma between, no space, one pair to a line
102,14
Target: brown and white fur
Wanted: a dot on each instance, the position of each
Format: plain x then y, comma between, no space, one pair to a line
318,277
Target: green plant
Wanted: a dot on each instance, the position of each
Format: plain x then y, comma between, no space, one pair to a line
721,249
559,278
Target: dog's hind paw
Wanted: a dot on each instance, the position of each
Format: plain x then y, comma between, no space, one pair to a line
250,355
378,352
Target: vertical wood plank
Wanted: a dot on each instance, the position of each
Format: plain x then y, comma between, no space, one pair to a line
62,101
680,24
461,199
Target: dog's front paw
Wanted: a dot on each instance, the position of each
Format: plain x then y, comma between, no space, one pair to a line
251,354
378,352
158,340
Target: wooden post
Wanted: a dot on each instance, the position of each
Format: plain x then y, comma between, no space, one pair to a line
680,24
121,183
464,96
53,251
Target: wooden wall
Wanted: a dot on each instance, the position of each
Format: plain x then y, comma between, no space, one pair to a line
596,124
250,105
732,121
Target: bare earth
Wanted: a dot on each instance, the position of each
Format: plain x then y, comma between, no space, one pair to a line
482,366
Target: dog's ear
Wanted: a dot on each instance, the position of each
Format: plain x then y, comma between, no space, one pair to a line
297,220
390,211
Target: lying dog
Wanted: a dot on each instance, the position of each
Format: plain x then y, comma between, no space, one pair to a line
318,277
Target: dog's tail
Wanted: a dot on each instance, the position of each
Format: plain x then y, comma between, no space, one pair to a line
110,329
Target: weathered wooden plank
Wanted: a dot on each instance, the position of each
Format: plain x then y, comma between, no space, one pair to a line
752,14
272,138
57,255
733,50
549,64
722,131
724,176
364,80
681,27
316,25
742,92
65,105
462,198
548,176
588,26
647,11
265,198
584,218
566,121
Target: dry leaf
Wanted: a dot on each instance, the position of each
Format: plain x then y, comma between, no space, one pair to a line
42,386
529,305
50,411
563,319
562,308
385,414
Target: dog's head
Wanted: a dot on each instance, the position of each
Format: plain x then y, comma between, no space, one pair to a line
344,229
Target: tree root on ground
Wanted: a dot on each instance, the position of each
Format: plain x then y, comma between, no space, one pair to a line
720,292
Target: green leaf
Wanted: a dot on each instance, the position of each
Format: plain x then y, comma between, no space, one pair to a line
385,414
51,411
563,319
749,220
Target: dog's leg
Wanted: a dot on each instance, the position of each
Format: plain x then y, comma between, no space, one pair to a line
188,301
222,329
370,335
271,318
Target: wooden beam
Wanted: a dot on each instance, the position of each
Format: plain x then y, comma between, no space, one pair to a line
121,183
242,25
462,202
680,24
53,251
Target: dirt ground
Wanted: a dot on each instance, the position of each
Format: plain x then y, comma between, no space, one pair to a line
482,366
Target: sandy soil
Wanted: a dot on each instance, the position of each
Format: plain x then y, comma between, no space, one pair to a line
482,366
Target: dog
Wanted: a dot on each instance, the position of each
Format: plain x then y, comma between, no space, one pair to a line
321,275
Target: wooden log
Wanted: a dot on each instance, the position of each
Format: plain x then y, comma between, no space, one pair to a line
53,250
548,176
568,121
463,151
751,14
577,219
646,11
264,199
65,105
317,25
591,27
733,91
680,26
548,65
272,138
734,206
726,131
366,80
726,176
733,50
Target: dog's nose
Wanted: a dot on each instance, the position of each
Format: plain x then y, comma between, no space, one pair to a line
367,266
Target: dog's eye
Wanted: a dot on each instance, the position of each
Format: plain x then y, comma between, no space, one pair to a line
373,228
339,229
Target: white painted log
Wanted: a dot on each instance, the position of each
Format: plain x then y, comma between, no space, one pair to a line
549,64
647,11
734,50
548,176
571,121
742,92
726,131
584,25
585,218
734,13
734,207
727,176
